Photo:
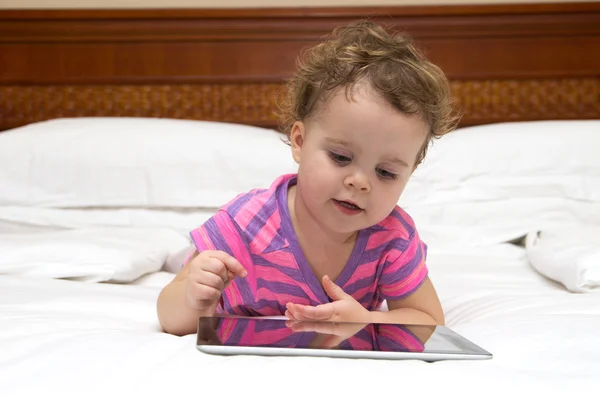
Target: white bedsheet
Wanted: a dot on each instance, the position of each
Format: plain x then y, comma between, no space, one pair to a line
70,338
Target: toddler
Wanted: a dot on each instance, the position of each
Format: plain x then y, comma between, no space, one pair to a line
329,243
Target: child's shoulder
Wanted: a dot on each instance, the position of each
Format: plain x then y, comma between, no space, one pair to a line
396,236
398,222
248,204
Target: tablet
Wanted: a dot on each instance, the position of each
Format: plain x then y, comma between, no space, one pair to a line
266,336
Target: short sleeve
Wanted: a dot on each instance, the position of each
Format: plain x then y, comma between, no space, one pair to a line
221,233
406,270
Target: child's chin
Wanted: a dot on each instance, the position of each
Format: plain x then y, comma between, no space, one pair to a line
349,227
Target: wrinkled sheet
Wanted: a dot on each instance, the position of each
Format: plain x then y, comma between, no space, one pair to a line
67,338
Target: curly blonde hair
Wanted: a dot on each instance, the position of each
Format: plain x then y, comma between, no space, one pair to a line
365,51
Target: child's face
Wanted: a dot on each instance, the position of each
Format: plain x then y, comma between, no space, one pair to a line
361,151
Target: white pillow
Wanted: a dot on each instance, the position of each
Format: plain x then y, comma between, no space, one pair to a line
137,162
493,183
91,255
568,255
33,219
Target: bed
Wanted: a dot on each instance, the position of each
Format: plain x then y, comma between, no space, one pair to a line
99,188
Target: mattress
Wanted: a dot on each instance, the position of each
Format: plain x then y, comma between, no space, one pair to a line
73,338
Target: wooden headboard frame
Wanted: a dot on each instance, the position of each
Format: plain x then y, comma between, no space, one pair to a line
506,62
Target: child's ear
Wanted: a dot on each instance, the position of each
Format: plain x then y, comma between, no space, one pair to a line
297,135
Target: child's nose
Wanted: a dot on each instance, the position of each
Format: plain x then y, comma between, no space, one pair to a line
358,180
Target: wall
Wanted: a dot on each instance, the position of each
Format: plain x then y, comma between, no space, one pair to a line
239,3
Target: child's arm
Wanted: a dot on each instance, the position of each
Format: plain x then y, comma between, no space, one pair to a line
404,284
420,307
196,291
175,316
406,287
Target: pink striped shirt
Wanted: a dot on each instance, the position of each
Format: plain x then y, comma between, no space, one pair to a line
388,260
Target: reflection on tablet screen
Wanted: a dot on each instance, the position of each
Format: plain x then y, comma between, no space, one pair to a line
257,332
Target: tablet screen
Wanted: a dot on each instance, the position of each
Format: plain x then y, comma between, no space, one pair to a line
281,333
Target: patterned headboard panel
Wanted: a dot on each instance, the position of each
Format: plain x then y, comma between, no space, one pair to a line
505,62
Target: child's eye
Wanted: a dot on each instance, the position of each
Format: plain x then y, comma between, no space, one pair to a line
386,174
339,158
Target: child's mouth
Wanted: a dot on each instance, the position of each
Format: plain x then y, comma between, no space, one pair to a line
348,207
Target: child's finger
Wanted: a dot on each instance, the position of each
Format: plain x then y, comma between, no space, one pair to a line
230,263
289,315
201,292
213,265
296,311
321,312
230,277
211,280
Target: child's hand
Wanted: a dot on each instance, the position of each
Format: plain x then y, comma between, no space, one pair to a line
210,273
344,308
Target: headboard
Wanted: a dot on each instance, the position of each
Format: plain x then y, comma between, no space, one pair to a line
506,62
